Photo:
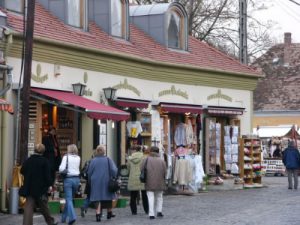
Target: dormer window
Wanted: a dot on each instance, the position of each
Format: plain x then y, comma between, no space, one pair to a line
15,5
118,18
77,15
176,29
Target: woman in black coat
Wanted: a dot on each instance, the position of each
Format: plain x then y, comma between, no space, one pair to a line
52,152
37,180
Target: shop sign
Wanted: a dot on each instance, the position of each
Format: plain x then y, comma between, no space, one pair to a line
219,95
127,86
173,91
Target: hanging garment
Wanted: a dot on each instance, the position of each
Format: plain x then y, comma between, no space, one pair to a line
134,128
183,171
169,167
189,133
181,151
180,135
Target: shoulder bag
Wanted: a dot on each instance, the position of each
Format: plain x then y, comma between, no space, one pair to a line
63,174
113,183
143,175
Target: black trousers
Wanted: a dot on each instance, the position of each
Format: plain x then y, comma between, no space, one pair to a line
133,201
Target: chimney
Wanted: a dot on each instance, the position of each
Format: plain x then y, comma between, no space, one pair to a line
287,38
287,48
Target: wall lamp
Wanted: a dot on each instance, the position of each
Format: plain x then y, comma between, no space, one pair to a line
78,89
110,93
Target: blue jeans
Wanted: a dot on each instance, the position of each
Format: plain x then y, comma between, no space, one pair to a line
70,187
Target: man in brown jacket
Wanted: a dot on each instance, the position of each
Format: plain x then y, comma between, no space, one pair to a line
155,181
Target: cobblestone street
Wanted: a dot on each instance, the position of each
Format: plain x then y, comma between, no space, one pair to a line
272,205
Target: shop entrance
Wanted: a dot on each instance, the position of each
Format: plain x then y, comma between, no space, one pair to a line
64,122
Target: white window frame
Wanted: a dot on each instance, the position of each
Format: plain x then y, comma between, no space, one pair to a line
15,5
81,14
122,27
182,35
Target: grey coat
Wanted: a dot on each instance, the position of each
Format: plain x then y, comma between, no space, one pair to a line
156,172
98,176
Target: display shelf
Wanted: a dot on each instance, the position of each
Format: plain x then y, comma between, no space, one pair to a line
145,119
250,162
211,146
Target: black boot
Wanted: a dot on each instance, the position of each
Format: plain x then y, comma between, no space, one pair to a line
110,215
98,217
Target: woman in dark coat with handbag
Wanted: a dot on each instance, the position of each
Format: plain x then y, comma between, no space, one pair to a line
101,168
155,181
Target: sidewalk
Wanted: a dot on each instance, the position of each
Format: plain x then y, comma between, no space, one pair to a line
239,207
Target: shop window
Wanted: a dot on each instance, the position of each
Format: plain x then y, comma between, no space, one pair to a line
15,5
176,30
77,15
118,18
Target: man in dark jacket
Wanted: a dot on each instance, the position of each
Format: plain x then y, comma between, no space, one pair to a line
37,180
291,160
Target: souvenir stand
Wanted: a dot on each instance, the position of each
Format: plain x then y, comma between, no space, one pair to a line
272,163
221,140
251,161
179,140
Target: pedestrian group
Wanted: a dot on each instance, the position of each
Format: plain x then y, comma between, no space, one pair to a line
38,172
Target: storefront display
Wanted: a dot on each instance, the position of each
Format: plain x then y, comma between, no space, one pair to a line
251,162
181,147
231,147
221,148
63,120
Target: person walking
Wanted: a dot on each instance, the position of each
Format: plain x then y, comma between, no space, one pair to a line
71,161
277,153
291,160
37,183
155,181
134,183
98,174
52,152
87,189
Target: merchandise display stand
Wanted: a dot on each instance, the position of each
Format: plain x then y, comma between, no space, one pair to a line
251,162
145,119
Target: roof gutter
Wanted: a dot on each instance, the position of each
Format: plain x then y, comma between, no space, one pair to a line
137,59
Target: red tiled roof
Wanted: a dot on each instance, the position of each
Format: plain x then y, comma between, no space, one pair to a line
140,45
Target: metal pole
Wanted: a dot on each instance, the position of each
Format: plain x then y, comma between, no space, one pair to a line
243,31
23,151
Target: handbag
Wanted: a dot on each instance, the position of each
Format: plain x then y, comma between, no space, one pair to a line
143,175
113,183
63,174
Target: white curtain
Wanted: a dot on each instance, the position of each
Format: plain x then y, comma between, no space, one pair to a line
116,18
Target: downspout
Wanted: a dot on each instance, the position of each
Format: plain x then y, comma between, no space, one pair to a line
3,125
7,36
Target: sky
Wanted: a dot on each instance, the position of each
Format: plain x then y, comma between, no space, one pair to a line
287,16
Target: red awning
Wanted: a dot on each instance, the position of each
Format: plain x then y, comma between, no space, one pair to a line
225,110
93,109
5,106
180,108
134,103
